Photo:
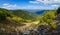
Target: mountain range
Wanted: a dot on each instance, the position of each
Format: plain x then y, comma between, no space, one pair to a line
36,11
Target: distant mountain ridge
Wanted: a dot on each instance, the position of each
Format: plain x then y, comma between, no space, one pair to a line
38,12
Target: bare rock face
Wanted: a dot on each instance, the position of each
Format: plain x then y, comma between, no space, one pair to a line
42,30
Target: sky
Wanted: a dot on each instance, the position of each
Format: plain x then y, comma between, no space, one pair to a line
30,4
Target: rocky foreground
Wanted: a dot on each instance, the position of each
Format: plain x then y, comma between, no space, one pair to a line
42,30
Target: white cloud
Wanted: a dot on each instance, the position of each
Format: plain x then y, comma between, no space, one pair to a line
45,1
55,6
49,4
30,7
14,6
5,4
10,6
34,2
